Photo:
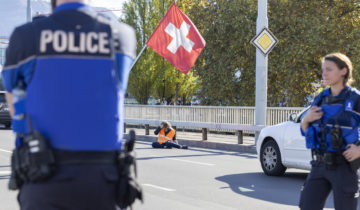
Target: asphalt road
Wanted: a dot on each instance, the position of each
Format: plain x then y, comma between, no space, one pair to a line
192,179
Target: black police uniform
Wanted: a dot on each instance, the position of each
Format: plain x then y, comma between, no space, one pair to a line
74,65
328,138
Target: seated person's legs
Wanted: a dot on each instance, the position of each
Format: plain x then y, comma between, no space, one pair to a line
170,144
157,145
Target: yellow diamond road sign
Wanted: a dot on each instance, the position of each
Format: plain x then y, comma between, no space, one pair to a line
265,41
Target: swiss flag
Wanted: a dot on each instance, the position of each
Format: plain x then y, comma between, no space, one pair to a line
177,40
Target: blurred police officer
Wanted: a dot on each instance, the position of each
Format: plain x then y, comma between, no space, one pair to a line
74,67
331,128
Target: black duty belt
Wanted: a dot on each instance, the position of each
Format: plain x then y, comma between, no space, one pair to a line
63,157
322,157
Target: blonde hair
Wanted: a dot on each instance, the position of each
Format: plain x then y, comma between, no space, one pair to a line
166,124
341,61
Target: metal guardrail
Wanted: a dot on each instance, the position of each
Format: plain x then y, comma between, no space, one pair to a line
237,119
204,126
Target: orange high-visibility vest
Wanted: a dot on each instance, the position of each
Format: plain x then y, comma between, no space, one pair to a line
162,138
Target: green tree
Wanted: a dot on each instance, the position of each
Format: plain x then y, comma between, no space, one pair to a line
136,14
225,70
226,66
307,30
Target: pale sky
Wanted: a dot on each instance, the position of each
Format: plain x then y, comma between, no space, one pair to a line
13,12
110,4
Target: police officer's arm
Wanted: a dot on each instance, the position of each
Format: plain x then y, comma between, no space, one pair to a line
10,104
312,115
8,72
352,151
19,61
125,52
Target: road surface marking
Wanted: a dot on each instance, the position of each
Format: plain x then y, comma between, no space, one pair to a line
2,150
195,162
158,187
5,173
187,161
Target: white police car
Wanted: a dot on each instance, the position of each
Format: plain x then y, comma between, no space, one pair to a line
282,146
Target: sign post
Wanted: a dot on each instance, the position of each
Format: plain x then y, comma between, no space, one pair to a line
264,42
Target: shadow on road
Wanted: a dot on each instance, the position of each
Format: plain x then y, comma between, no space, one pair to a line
282,190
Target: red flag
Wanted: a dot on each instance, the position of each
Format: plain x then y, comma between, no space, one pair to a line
177,40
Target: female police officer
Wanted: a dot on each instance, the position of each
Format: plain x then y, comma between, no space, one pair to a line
330,127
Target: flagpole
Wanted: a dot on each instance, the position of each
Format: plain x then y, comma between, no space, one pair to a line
138,56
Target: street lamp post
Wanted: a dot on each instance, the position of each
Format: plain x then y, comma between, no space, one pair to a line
261,70
28,11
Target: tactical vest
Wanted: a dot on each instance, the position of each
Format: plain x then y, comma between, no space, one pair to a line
339,125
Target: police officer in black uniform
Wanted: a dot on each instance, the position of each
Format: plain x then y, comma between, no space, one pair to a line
66,76
331,128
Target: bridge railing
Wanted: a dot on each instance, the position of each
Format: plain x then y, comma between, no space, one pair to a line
239,128
211,114
238,119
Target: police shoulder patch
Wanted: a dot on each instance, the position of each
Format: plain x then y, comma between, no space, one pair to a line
349,105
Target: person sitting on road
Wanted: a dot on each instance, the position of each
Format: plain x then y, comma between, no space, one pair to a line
166,137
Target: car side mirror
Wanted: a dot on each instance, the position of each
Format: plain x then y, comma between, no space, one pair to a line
292,117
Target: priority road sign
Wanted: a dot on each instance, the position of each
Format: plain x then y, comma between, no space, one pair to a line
265,41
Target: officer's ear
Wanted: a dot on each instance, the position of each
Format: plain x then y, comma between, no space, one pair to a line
53,4
344,71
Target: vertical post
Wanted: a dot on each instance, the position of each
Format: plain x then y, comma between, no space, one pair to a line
138,56
124,127
240,137
163,62
261,70
147,127
204,134
28,11
163,65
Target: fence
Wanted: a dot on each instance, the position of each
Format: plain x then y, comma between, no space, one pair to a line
212,114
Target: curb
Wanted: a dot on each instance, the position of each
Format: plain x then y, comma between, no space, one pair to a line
204,144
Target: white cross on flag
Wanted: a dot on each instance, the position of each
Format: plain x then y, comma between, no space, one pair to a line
177,40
